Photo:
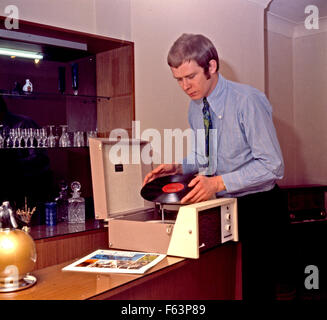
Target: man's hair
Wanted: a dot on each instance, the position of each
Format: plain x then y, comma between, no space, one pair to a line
193,47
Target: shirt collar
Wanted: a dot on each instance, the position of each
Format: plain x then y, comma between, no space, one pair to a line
216,99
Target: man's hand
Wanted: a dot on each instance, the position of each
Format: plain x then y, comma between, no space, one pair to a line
204,188
163,170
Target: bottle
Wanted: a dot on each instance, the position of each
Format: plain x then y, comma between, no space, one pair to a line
28,87
62,203
75,78
76,205
50,213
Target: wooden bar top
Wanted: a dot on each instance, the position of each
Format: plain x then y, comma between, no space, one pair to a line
55,284
215,275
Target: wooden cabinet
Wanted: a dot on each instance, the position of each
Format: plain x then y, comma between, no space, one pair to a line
114,72
105,99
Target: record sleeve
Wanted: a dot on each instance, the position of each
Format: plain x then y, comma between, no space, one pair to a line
114,261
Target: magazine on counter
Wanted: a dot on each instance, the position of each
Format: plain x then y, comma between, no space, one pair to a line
113,261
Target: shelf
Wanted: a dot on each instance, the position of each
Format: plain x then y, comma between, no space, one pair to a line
35,95
46,148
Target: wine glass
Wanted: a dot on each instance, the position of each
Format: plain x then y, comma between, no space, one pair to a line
14,137
79,139
51,138
38,137
44,138
10,139
19,137
64,140
31,133
25,136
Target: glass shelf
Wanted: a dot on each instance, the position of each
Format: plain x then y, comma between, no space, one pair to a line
35,95
45,148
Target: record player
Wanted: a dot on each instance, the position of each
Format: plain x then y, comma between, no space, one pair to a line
140,225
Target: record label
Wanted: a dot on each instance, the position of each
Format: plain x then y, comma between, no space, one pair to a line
167,189
172,187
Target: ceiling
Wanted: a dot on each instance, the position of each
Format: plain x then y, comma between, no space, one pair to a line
293,10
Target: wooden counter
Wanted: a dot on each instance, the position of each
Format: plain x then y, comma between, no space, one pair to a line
216,275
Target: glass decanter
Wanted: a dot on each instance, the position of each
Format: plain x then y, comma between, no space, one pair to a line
62,203
76,205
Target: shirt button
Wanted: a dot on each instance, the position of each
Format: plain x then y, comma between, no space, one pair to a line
219,117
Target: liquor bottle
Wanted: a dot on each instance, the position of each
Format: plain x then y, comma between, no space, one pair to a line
76,205
62,203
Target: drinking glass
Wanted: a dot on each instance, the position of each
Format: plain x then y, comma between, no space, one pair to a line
31,133
25,136
10,138
38,137
79,139
64,140
44,138
19,137
15,138
51,138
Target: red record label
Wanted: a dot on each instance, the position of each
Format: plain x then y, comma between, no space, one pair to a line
172,187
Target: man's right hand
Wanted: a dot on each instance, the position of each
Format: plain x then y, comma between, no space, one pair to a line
163,170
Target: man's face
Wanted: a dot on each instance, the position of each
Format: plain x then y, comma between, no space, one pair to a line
191,78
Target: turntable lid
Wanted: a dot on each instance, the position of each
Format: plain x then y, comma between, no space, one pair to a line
117,177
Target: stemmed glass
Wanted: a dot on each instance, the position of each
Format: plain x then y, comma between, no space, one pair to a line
15,139
64,140
38,137
79,139
19,137
10,139
51,138
44,138
25,136
31,133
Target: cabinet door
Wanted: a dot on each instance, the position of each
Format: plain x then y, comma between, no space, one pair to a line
115,78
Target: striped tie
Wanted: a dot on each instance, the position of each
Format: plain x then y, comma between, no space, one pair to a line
207,122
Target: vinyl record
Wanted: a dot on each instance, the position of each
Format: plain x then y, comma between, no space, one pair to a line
168,189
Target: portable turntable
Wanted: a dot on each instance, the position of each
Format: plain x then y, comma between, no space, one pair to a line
153,226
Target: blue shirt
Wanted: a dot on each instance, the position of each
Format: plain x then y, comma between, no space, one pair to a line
244,147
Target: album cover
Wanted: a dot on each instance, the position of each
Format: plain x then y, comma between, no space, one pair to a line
113,261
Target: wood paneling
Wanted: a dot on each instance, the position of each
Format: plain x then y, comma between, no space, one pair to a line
51,251
115,78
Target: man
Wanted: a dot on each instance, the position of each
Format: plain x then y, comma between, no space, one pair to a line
239,156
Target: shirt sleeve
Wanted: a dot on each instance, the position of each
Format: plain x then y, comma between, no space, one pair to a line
266,166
